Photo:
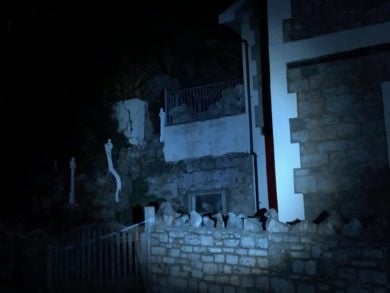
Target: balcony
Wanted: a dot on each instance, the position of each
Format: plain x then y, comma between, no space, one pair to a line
206,102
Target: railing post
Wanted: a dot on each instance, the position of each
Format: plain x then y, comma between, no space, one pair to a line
162,124
166,122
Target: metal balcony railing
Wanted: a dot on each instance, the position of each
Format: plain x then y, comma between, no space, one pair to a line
205,102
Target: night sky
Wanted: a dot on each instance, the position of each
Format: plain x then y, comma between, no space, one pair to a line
58,53
55,58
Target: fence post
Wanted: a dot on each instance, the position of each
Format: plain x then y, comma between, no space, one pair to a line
150,218
145,247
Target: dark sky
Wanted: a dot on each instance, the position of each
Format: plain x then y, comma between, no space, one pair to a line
56,55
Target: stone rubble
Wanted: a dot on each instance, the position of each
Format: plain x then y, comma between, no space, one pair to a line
195,219
166,214
327,223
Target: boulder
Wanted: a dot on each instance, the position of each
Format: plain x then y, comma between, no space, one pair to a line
352,229
166,214
252,224
273,224
207,222
304,227
325,228
219,220
182,221
195,219
234,221
335,220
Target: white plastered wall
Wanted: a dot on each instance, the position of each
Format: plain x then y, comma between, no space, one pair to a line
130,115
214,137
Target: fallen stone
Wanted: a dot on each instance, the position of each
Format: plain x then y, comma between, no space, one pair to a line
352,229
272,213
195,219
275,226
335,220
304,227
219,220
182,221
165,214
252,225
207,222
325,229
234,221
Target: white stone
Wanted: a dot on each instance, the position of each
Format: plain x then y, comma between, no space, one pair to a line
252,225
195,219
304,227
133,120
220,223
165,214
275,226
234,221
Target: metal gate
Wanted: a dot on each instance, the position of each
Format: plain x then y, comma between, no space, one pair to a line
102,258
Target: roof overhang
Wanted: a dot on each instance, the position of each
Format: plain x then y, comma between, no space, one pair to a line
231,15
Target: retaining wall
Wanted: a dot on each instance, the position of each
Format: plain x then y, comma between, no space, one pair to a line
224,260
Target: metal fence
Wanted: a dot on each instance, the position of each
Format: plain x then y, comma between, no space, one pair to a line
102,258
205,102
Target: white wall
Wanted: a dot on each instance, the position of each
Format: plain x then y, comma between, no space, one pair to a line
214,137
130,115
284,107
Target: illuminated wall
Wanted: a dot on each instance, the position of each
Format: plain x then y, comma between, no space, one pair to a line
133,120
341,132
226,260
284,104
214,137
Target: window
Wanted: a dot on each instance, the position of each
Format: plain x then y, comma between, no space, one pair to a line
211,201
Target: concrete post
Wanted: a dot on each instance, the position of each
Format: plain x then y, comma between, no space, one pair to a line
72,166
150,219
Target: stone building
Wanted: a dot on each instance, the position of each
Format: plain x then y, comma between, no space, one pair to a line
305,130
322,70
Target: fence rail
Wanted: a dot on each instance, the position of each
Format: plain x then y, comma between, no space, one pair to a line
204,102
95,257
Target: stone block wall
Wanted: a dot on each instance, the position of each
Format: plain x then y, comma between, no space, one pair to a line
341,132
317,17
224,260
175,181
